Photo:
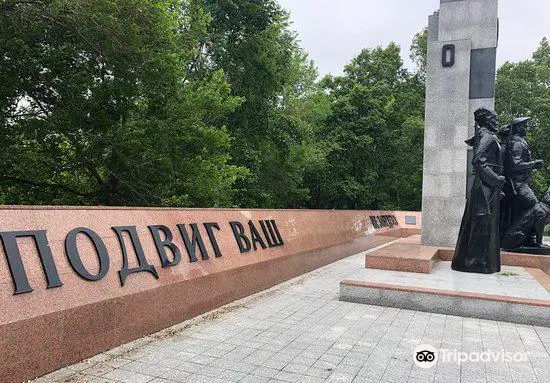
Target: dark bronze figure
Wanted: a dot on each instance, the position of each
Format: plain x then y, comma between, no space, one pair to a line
531,225
478,246
518,168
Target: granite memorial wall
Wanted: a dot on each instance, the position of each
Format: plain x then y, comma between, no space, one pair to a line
78,281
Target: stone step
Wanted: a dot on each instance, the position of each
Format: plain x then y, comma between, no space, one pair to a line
507,258
406,254
461,303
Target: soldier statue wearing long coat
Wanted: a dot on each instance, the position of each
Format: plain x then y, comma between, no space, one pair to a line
478,246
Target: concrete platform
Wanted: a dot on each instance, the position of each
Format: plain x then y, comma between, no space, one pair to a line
517,294
408,254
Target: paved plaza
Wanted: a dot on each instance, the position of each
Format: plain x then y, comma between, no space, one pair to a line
300,332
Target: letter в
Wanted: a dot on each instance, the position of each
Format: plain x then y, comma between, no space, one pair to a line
242,240
163,244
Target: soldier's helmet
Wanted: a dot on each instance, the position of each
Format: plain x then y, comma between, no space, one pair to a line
519,122
486,117
513,126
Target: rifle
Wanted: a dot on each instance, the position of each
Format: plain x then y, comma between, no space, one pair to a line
507,156
497,191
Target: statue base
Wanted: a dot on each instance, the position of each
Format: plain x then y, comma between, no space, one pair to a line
544,250
407,275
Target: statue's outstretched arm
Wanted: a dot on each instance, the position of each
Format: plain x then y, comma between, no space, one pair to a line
518,164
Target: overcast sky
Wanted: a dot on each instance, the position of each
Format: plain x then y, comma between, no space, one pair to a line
334,31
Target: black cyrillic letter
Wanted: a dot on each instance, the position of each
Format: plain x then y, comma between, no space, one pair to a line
242,240
255,236
280,242
17,269
73,255
138,249
208,226
274,236
265,225
191,244
167,242
373,221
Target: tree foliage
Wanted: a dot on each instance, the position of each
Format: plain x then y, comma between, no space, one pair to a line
252,44
373,135
198,103
419,51
99,104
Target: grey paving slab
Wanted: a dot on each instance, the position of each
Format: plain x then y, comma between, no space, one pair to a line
300,332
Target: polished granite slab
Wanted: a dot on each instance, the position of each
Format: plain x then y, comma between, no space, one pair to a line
512,281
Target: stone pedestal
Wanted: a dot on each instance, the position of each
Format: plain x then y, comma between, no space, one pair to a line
462,41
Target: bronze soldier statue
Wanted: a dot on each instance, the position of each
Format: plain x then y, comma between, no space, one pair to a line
478,246
518,168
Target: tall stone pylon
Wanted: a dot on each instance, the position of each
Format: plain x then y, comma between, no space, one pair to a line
461,65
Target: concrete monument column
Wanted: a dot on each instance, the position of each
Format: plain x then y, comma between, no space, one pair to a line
461,65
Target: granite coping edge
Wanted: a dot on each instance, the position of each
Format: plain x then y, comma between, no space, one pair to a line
448,293
84,207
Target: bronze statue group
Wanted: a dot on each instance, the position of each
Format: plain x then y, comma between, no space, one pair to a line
501,210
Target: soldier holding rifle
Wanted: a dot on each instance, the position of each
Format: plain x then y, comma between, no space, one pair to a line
518,168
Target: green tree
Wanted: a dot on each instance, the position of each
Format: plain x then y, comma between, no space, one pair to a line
419,52
101,103
373,135
253,45
198,103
